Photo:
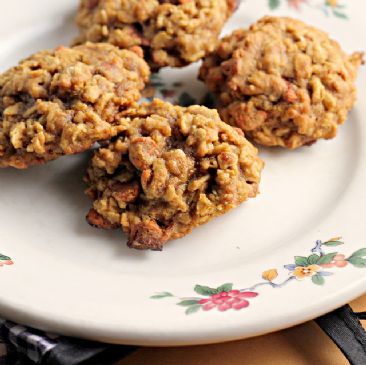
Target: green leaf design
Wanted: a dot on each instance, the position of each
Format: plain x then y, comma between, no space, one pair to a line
274,4
193,309
186,100
333,243
301,261
313,259
317,279
156,81
204,290
357,261
359,253
340,15
4,258
161,295
326,259
225,287
188,302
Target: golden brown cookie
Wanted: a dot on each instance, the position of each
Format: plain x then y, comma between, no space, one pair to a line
283,82
169,170
171,32
62,101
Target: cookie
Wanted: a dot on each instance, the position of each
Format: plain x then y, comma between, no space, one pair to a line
169,170
62,101
283,82
172,32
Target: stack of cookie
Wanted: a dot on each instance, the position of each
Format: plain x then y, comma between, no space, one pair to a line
159,170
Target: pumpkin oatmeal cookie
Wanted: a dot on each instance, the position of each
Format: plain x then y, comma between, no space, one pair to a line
172,32
283,82
169,170
62,101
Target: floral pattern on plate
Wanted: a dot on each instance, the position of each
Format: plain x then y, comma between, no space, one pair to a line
328,7
176,93
317,266
5,260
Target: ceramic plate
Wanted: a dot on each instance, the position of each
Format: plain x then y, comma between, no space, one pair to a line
280,253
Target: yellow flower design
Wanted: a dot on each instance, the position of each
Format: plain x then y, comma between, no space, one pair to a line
334,239
270,275
332,3
301,272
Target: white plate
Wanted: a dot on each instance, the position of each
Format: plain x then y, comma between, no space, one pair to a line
70,278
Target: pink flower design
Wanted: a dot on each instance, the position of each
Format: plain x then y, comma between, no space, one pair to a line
296,4
5,260
338,261
233,299
168,93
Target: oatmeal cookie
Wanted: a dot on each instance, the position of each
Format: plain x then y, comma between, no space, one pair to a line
283,82
62,101
171,32
169,170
